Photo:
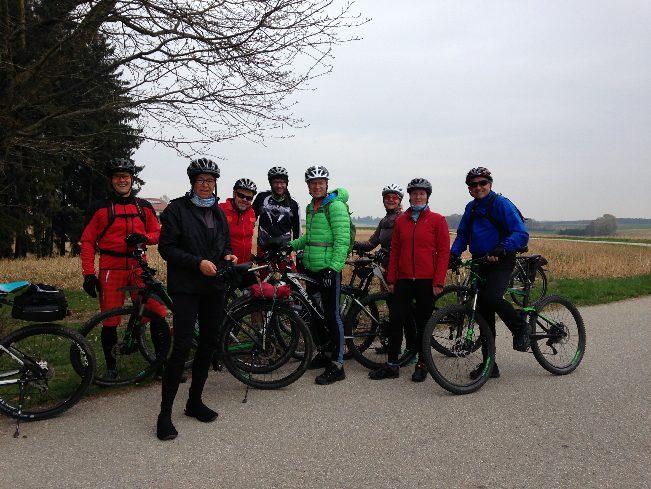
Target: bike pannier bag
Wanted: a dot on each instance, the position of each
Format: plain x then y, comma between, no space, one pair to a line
40,302
267,291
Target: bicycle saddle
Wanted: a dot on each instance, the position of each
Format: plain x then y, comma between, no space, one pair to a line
11,287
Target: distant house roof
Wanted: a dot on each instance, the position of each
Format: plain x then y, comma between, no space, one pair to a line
158,204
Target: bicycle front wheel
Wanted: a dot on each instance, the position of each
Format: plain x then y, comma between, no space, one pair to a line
443,338
472,349
259,343
128,348
557,335
53,364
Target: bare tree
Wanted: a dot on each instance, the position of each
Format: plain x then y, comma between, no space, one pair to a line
196,71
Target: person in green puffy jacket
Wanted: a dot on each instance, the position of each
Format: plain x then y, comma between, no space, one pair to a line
325,246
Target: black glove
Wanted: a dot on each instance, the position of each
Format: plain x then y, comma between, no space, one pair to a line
135,239
276,242
382,256
328,277
454,262
497,251
91,285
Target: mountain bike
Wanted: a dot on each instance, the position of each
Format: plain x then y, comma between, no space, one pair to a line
45,368
528,275
257,340
556,331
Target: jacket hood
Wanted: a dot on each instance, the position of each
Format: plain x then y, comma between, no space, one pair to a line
337,194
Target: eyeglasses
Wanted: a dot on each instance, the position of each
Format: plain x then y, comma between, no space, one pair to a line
480,183
206,181
121,177
244,196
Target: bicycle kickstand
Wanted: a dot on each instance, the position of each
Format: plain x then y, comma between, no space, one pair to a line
21,399
246,392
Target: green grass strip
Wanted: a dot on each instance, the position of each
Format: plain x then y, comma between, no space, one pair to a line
584,292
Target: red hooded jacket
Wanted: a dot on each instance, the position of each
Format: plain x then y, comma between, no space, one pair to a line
241,226
421,249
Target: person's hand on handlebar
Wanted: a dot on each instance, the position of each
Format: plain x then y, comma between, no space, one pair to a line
208,268
134,239
231,258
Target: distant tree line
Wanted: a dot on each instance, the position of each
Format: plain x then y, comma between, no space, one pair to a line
605,225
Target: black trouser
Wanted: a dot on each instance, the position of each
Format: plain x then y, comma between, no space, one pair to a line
495,278
404,293
332,338
208,308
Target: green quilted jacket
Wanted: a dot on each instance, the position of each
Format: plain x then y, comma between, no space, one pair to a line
326,244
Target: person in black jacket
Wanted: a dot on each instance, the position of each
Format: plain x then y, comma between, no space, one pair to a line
194,238
276,211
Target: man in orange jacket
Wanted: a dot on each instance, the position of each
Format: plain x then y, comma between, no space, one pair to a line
108,223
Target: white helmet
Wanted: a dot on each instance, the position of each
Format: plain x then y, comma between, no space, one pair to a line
316,172
392,188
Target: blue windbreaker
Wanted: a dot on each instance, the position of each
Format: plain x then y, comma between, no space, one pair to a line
484,236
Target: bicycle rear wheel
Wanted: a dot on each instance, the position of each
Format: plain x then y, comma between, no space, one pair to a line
136,353
517,286
367,327
453,372
42,358
259,342
557,335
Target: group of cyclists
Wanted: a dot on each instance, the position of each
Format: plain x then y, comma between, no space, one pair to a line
196,234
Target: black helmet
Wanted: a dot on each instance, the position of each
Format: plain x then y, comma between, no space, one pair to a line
278,172
246,184
125,165
202,165
420,183
480,171
316,171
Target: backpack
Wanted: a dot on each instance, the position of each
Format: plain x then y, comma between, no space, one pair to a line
353,229
501,230
40,302
140,213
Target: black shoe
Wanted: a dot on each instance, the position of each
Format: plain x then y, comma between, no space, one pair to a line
384,372
331,374
216,364
420,373
200,411
165,430
319,361
476,373
521,340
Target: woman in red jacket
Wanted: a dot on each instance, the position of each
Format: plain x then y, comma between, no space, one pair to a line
420,249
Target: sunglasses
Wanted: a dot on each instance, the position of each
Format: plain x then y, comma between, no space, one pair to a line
480,183
244,196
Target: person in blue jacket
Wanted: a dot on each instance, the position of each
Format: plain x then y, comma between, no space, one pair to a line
492,227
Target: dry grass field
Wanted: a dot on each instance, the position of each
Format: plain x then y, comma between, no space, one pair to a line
566,260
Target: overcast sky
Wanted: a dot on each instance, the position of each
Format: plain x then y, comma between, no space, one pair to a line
554,97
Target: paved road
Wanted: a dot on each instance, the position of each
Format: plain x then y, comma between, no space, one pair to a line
526,429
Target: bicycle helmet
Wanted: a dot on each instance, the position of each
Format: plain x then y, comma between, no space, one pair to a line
392,188
125,165
278,172
480,171
420,183
202,165
316,172
246,184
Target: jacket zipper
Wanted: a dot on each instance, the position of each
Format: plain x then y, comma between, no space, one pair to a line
413,250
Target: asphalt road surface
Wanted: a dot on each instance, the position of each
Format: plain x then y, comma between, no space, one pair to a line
525,429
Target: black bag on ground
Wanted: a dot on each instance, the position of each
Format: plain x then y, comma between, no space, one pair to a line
40,302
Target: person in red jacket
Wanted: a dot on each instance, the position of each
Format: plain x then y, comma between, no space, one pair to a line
420,250
109,222
241,222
